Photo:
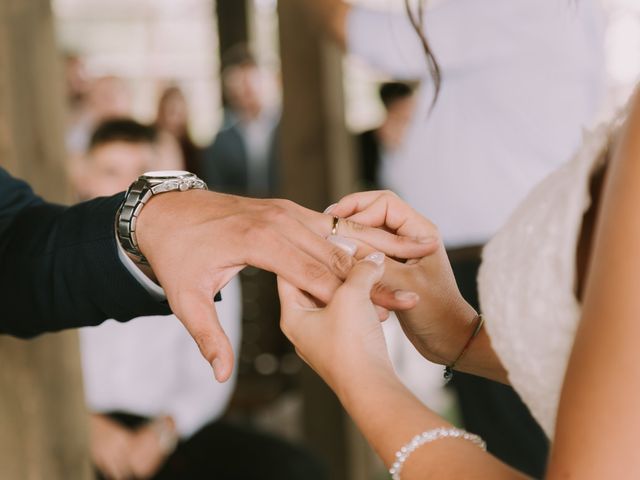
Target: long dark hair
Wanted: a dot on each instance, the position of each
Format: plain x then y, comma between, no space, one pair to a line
416,17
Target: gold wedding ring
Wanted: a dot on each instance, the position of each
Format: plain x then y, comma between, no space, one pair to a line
334,229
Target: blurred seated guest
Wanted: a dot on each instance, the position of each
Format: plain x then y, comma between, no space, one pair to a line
173,118
120,150
375,146
242,158
155,404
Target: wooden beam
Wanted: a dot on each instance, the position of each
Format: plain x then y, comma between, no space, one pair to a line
317,167
43,432
233,23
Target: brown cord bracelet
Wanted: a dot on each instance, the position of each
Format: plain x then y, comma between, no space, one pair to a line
448,370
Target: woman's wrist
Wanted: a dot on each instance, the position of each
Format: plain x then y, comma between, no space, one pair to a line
364,381
455,333
439,336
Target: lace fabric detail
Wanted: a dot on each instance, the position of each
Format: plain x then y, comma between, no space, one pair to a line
528,277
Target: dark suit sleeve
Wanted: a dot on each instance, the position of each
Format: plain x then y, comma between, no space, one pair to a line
59,266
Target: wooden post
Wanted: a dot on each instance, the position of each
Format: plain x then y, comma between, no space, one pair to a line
317,167
43,432
233,23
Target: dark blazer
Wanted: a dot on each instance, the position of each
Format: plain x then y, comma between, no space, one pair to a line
226,164
59,266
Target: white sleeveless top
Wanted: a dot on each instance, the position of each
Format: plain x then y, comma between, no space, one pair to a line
527,282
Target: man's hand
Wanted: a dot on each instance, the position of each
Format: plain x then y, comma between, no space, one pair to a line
196,241
149,450
110,448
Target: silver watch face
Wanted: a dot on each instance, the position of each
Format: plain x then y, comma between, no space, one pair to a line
159,174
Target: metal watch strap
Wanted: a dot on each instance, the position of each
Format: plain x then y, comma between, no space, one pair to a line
138,194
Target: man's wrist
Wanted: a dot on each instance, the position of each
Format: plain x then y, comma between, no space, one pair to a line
144,267
145,188
142,273
152,222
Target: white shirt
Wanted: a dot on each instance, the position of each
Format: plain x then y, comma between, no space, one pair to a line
520,80
258,137
151,366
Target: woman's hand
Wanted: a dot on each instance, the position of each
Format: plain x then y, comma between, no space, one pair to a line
343,340
442,321
110,448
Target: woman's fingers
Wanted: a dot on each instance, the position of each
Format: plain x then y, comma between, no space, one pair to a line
362,278
322,225
385,209
353,203
420,243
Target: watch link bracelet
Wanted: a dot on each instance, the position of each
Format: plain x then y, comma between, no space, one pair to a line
139,193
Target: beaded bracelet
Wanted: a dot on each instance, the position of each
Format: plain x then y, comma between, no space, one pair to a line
430,436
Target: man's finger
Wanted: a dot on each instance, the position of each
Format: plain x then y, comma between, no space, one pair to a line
335,252
280,255
198,314
292,298
383,313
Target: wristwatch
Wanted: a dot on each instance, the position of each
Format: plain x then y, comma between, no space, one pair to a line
139,193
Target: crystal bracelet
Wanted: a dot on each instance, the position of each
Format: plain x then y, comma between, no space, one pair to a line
430,436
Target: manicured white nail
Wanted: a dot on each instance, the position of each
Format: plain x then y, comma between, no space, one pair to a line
345,244
405,296
329,208
377,258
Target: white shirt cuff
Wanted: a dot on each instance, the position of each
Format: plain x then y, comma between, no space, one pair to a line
152,288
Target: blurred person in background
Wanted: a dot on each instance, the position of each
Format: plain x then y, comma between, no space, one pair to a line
77,84
119,150
507,86
173,118
243,156
155,407
377,145
106,97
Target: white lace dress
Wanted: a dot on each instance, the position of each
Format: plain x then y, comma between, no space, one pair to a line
528,277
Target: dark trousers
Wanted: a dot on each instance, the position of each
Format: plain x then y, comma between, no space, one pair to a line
226,451
493,410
